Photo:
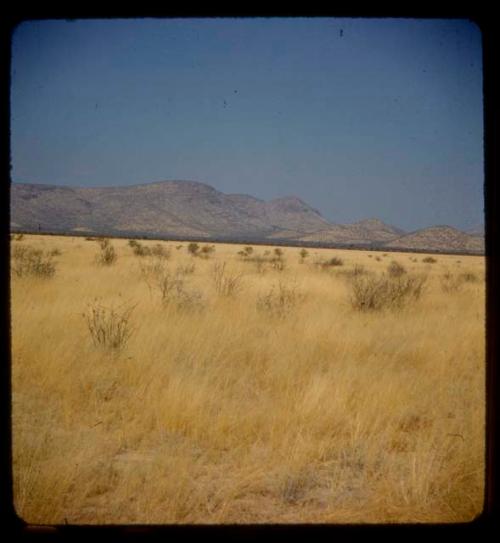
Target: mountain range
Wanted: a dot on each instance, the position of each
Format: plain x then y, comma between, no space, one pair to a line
193,210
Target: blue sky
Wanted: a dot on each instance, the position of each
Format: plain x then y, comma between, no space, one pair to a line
359,117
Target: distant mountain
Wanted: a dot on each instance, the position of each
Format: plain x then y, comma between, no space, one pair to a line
368,231
196,210
439,238
176,208
477,230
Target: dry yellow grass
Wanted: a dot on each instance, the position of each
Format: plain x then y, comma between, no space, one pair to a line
227,413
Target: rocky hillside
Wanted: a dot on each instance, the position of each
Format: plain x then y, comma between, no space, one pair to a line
196,210
439,238
175,208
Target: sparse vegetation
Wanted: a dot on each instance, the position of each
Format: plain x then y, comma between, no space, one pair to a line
206,251
395,269
28,261
280,300
429,260
193,249
381,292
469,277
296,400
226,284
303,255
246,251
107,256
139,249
330,263
109,327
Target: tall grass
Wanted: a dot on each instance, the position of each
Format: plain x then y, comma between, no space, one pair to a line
239,413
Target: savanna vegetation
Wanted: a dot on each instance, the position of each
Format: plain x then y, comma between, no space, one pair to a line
232,384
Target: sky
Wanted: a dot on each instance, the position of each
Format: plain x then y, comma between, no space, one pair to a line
360,118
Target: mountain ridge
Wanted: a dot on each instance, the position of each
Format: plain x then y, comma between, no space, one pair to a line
179,208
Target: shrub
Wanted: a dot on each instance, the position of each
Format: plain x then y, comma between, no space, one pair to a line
278,264
225,284
193,249
278,302
303,254
278,252
206,251
109,327
169,285
28,261
18,237
469,277
246,251
429,260
378,259
139,249
160,251
376,293
332,262
453,283
107,256
179,247
395,269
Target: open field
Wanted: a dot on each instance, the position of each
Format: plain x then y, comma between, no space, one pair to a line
261,390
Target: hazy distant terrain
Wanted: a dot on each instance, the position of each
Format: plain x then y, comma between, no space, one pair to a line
196,210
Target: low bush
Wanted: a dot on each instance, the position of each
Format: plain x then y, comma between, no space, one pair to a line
429,260
330,263
206,251
454,283
193,249
469,277
109,327
246,252
371,293
107,256
28,261
280,300
139,249
395,269
226,284
160,251
169,285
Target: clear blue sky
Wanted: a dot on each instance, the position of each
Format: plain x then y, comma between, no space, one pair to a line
359,117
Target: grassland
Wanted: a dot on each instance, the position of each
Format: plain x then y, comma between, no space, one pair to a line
250,392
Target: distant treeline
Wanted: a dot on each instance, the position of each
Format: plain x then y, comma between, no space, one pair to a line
245,240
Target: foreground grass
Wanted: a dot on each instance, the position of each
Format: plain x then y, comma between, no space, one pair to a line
228,412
